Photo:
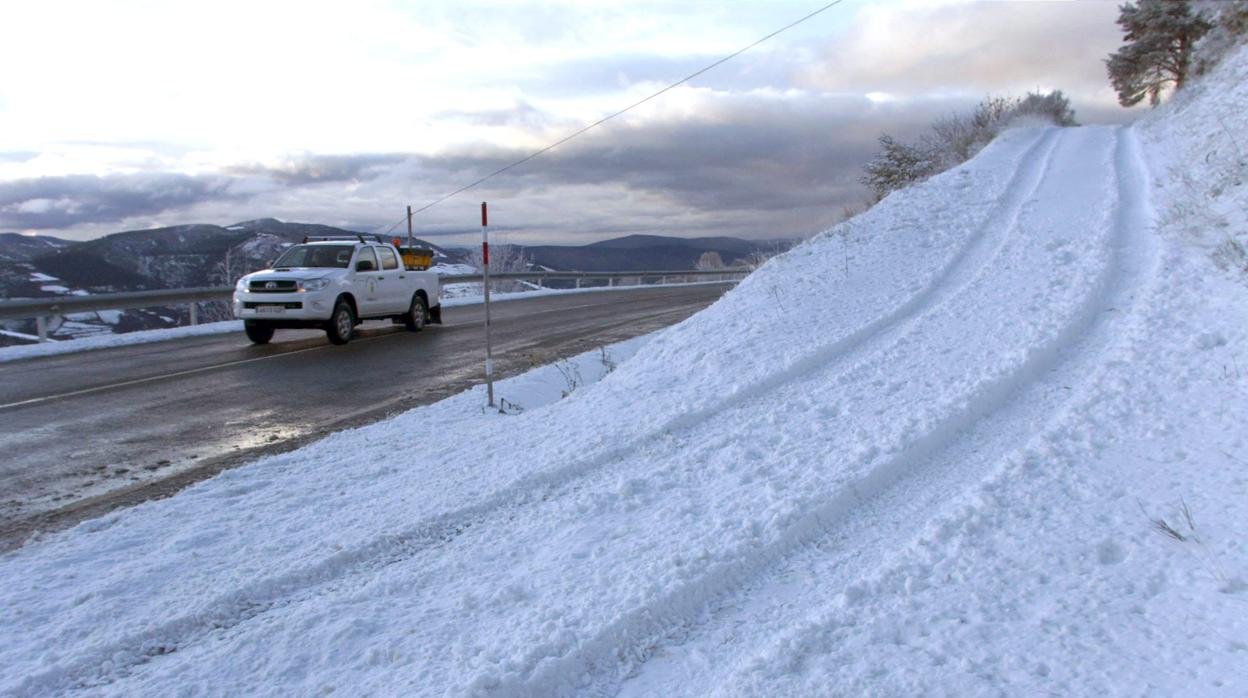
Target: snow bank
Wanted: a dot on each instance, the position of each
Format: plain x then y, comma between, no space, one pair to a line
928,452
106,341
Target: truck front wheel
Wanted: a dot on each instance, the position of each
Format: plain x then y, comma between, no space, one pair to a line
341,323
258,332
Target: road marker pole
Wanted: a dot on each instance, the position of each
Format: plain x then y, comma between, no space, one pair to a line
485,265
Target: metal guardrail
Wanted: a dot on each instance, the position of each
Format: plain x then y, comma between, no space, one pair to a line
610,276
44,308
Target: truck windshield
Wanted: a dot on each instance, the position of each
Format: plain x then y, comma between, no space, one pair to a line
316,256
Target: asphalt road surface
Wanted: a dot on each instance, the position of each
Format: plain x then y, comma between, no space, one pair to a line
84,433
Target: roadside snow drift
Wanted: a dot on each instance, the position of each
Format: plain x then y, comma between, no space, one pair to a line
932,451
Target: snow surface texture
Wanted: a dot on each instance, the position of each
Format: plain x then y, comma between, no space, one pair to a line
930,452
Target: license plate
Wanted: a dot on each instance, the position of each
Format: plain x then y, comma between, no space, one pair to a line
270,309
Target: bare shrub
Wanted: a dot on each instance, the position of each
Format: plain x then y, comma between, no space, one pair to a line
898,165
571,374
709,261
1230,25
1231,255
956,138
608,362
765,251
504,259
1053,106
1183,530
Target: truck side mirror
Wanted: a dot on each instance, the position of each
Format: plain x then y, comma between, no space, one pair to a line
365,265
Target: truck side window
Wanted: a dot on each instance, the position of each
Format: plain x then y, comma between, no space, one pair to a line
366,255
388,260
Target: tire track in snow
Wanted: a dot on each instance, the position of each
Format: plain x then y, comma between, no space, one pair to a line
964,438
1112,335
118,659
1117,329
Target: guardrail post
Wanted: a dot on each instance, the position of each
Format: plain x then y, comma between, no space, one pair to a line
611,281
194,313
41,325
578,282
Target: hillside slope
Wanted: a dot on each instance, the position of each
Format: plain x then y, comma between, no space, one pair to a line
928,452
15,247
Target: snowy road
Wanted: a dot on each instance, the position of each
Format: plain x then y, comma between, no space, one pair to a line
84,433
878,466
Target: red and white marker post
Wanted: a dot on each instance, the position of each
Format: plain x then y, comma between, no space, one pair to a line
485,263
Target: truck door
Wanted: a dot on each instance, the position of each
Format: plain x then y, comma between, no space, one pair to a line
392,285
366,282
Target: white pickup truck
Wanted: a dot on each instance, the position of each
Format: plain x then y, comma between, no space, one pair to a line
334,283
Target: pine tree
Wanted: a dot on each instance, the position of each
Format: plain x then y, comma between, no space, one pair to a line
1159,36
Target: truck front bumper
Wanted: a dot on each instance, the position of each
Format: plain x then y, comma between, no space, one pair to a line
283,309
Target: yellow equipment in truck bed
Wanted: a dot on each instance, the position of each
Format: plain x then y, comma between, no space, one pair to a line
417,258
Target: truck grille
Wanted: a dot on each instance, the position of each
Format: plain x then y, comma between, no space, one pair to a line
273,286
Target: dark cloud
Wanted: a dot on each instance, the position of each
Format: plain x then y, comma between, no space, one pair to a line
61,202
738,153
320,169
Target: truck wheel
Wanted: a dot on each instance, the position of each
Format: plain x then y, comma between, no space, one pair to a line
341,323
417,314
258,332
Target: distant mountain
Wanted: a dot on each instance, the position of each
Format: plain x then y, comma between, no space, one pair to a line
640,252
86,271
735,246
15,247
173,257
181,256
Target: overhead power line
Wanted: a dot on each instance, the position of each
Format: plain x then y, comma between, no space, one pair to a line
611,116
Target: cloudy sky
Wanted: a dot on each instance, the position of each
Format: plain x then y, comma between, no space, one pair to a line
139,113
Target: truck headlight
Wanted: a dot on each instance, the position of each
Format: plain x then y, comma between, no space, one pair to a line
315,284
241,284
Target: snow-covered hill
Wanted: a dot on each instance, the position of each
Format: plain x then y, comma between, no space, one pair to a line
986,438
